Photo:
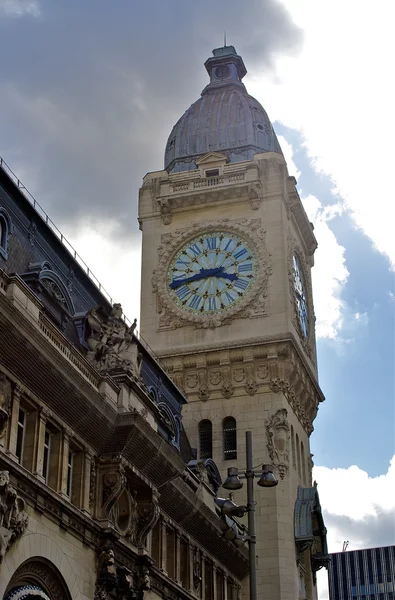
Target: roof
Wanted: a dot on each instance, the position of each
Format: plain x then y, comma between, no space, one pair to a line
224,119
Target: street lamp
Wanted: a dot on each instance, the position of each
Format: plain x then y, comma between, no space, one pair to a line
233,482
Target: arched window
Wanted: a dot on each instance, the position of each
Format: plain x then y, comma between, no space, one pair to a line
205,439
229,438
303,462
5,227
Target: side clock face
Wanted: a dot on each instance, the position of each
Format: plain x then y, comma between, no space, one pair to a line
300,296
211,273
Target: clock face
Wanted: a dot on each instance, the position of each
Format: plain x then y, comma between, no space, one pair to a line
211,273
300,296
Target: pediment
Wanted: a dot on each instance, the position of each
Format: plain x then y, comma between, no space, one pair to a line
211,157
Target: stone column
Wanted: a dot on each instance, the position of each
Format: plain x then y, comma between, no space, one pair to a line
13,425
214,578
226,587
191,584
203,572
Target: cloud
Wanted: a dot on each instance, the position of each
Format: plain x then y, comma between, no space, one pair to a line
19,8
90,111
356,508
330,272
339,95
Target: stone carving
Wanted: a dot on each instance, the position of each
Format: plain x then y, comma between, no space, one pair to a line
227,389
262,371
173,316
204,392
238,374
165,211
111,342
117,581
277,430
13,518
255,194
92,484
5,401
44,574
132,518
302,402
54,289
192,380
251,386
215,377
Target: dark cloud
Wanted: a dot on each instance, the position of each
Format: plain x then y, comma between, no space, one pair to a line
370,532
89,92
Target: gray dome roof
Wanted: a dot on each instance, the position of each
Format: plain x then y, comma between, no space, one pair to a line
225,119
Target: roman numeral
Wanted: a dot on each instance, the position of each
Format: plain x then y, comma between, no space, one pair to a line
195,302
245,267
195,249
183,292
212,303
211,243
240,253
228,244
241,284
229,297
183,262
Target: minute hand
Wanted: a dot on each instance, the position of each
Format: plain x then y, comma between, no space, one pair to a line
217,272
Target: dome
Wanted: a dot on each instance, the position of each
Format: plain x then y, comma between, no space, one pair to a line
225,119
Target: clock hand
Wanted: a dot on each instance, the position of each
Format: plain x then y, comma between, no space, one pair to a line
231,276
176,283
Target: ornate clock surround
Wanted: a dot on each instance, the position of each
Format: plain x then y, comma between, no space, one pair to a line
254,301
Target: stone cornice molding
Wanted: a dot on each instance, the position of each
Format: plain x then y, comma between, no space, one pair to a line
254,301
275,368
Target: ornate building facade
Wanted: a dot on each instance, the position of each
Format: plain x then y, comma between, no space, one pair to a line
228,308
101,496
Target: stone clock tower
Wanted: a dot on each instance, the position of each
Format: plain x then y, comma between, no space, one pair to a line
227,305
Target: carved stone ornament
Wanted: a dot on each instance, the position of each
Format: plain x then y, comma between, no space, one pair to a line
165,211
277,431
197,570
255,194
204,392
251,386
308,342
118,581
5,401
13,518
253,302
227,389
132,518
111,342
302,401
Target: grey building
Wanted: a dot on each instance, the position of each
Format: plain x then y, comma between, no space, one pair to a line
363,574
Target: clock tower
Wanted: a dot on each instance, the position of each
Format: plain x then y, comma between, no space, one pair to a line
226,303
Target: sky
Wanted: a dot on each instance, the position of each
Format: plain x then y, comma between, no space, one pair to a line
88,97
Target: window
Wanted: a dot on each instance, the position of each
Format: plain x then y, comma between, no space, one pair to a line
303,462
212,173
5,226
293,447
298,454
69,473
20,437
229,438
206,439
47,449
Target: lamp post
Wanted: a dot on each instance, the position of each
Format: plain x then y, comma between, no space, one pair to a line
233,482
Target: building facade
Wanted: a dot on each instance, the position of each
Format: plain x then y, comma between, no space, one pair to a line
227,252
101,496
367,574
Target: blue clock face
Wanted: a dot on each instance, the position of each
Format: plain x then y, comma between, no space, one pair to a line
211,273
300,296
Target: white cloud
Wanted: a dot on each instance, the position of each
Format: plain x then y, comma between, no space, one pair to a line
339,94
118,264
287,149
19,8
357,508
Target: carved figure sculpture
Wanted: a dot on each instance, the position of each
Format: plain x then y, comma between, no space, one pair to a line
277,429
5,396
13,518
117,581
111,342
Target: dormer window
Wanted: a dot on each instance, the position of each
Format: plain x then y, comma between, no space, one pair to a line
5,227
212,173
